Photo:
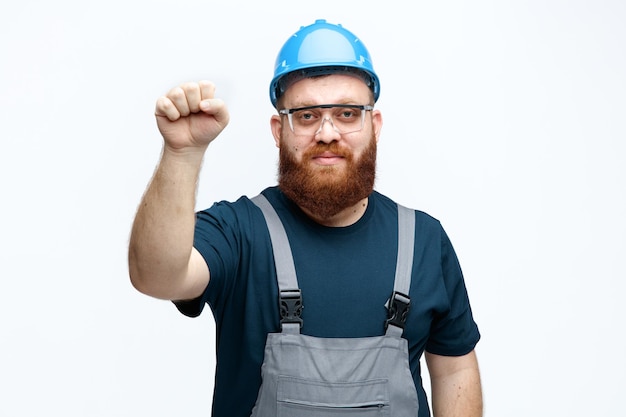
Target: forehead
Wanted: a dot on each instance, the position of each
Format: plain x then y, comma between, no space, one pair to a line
327,89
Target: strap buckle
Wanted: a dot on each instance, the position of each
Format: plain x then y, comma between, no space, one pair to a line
291,307
398,309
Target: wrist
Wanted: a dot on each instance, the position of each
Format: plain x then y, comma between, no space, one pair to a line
188,155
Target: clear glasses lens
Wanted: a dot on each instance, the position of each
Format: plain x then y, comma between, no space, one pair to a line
342,118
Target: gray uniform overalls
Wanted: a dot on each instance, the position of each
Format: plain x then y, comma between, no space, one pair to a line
306,376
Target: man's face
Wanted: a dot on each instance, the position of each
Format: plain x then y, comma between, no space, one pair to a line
327,172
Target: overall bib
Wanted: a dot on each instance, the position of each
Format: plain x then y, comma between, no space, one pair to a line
306,376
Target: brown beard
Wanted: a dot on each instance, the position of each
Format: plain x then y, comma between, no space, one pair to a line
325,191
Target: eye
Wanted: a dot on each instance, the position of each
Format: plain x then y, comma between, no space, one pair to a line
347,114
304,116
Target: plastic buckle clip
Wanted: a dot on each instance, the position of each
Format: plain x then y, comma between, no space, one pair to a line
291,307
398,309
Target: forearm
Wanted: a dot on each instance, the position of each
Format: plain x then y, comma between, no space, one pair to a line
162,235
456,387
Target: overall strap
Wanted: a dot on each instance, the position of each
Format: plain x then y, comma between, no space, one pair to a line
399,303
290,298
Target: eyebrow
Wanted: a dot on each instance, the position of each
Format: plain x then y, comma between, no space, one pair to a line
310,103
328,106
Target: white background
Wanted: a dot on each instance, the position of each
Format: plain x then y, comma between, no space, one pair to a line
503,119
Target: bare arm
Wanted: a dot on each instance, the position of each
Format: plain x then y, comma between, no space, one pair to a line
161,257
456,387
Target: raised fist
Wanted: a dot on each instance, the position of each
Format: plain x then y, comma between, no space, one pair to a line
190,115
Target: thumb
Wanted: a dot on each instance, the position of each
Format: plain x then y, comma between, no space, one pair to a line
216,108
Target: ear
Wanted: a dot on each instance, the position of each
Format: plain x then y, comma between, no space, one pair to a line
377,123
276,124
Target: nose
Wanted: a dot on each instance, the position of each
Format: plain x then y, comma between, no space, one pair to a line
327,135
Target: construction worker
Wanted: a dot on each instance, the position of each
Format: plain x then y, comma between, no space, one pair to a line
325,292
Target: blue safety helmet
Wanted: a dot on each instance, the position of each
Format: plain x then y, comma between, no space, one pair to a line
322,48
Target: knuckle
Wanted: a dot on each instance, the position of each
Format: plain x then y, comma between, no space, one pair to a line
176,93
162,104
207,88
189,87
166,108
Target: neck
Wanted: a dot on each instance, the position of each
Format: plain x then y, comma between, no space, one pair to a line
345,217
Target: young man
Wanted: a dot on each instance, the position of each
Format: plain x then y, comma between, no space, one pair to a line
344,332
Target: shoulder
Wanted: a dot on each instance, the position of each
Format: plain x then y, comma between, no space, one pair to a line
241,210
228,225
422,218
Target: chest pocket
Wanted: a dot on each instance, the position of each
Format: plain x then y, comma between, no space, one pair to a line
296,396
306,376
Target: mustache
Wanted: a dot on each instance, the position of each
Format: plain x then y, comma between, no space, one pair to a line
333,147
